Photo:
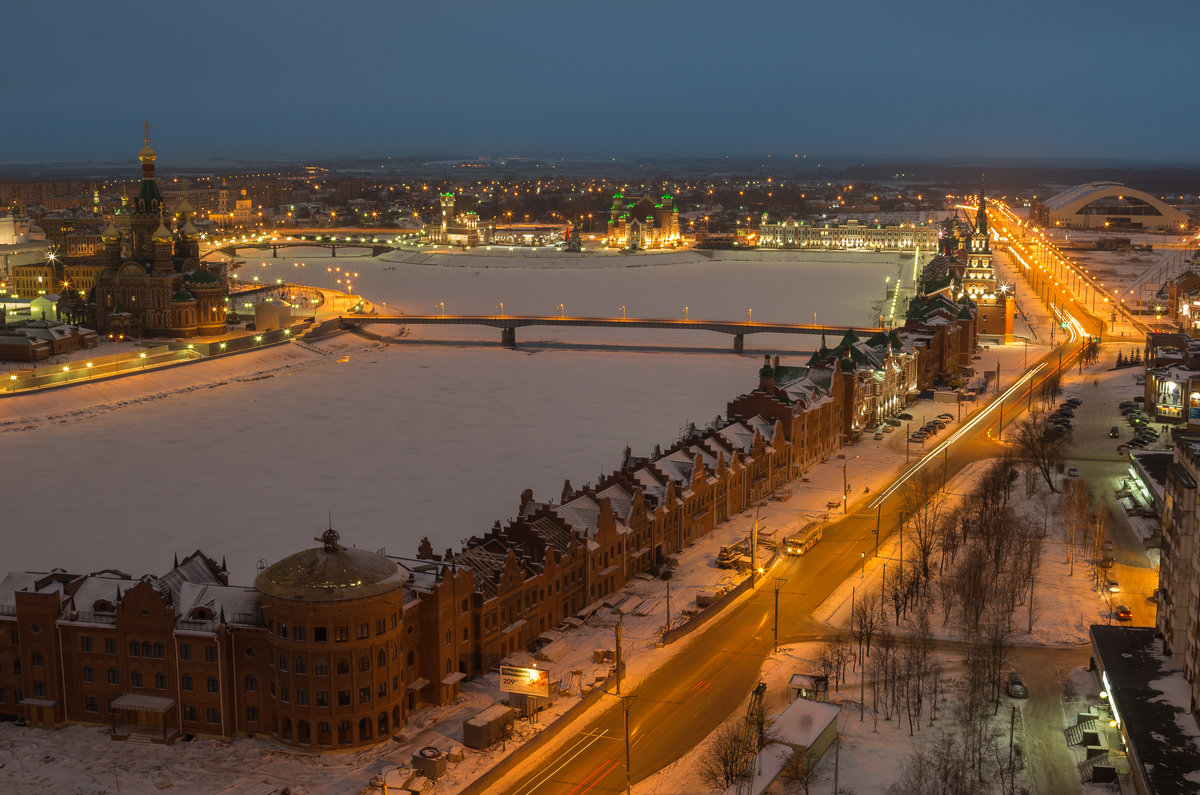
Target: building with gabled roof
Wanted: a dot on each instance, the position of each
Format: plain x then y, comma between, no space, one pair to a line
643,222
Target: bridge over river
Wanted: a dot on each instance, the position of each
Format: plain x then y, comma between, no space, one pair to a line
508,325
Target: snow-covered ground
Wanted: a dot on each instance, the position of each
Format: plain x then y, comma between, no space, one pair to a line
245,457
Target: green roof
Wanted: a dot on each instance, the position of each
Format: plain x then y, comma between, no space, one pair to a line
183,295
202,277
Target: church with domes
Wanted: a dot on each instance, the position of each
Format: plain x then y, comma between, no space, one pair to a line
153,283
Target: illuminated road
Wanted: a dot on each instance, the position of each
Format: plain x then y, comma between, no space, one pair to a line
678,705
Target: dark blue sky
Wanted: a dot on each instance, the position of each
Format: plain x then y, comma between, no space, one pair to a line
873,79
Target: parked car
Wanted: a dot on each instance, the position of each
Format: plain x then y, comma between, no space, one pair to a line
1126,404
1016,685
1066,412
946,417
1140,399
1123,613
1072,472
888,428
1074,401
878,435
895,423
1112,586
904,416
1114,432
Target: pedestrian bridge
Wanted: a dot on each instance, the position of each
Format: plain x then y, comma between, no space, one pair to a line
508,325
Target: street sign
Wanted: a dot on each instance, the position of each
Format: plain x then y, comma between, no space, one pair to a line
528,681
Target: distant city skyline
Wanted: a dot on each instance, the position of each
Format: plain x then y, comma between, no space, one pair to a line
266,81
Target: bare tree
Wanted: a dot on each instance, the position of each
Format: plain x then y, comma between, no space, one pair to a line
800,769
1039,444
730,752
922,501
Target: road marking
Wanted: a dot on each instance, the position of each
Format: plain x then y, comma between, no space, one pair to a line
582,745
610,768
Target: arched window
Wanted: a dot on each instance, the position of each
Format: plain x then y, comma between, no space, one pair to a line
343,666
364,663
320,667
135,679
283,663
134,649
159,651
383,723
382,659
147,649
251,683
160,681
301,666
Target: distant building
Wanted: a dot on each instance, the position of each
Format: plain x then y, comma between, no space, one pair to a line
459,224
850,235
152,282
1108,205
642,222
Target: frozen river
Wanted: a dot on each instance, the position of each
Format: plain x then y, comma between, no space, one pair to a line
434,436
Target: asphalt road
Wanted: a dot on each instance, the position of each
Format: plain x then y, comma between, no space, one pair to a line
681,703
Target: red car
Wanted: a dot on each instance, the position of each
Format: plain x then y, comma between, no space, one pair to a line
1123,613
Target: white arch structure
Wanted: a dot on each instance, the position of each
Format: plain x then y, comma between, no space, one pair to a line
1109,205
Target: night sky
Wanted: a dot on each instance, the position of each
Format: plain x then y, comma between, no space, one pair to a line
949,81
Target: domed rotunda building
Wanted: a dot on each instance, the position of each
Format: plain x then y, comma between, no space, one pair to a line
339,644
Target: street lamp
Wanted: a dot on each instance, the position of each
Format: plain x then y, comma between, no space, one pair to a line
561,310
623,311
845,488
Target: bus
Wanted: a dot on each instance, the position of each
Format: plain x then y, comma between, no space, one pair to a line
801,542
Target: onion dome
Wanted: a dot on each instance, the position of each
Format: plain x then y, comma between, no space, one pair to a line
162,234
147,155
187,230
110,234
184,208
331,573
182,296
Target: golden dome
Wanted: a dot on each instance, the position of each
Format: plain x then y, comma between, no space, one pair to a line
330,574
147,155
162,233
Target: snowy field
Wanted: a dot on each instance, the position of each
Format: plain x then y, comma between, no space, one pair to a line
436,435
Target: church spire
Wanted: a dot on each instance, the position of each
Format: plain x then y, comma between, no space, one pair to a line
981,227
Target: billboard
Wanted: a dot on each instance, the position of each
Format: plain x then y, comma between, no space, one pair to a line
527,681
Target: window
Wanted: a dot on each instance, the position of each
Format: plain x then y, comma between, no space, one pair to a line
410,657
322,698
114,676
110,645
447,637
283,663
364,630
381,658
39,689
465,605
89,675
382,690
466,634
214,715
135,648
186,682
364,664
343,698
448,666
210,653
302,697
185,651
282,629
85,642
3,698
364,695
393,621
320,667
394,652
298,633
159,651
343,666
301,666
319,634
16,638
90,704
147,649
213,687
252,714
380,626
160,681
395,683
135,679
189,713
284,695
341,634
251,683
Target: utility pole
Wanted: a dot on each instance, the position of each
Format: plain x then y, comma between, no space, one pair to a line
668,605
778,583
754,552
618,653
878,519
625,709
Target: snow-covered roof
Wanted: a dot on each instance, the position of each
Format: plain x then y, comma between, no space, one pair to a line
803,721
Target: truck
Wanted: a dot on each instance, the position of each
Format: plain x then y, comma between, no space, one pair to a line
801,542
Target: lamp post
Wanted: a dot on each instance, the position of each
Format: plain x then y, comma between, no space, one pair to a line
778,584
845,488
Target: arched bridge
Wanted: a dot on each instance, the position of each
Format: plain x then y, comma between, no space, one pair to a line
508,325
331,242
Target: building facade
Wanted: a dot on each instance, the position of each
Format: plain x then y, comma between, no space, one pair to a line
850,235
643,222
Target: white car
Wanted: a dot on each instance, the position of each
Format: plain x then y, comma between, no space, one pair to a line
1072,472
1112,586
